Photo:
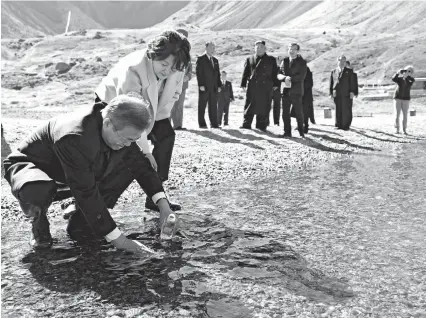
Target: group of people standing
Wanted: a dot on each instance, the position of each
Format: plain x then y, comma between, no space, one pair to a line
262,80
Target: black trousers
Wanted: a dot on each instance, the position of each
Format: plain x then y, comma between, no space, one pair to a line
296,101
163,137
223,111
344,114
204,98
276,106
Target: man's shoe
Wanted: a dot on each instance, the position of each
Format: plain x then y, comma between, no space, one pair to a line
313,121
245,127
286,135
306,130
203,127
225,124
40,232
78,229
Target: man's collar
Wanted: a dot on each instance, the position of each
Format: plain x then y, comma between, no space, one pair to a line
208,55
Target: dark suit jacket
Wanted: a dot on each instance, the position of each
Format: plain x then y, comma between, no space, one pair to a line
207,75
342,83
70,149
297,71
307,86
226,94
263,73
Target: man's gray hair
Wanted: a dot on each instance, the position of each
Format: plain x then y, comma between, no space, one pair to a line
129,110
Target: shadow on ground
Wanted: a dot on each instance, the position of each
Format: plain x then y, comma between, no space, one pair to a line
186,273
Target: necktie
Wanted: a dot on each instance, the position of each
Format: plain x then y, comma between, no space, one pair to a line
211,61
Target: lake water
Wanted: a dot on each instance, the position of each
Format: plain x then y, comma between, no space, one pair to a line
257,248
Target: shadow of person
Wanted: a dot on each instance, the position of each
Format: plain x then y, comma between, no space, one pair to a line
211,135
117,277
184,272
362,132
342,141
324,131
238,134
316,145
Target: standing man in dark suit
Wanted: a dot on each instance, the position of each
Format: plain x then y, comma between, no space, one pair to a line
292,72
342,90
209,85
308,100
226,95
94,153
260,71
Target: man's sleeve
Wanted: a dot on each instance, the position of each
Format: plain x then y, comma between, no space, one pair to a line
232,92
395,77
219,81
199,72
145,175
81,180
246,73
275,73
331,84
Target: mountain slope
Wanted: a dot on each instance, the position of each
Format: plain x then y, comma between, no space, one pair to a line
33,18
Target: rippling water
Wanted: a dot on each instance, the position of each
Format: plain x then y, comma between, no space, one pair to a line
251,241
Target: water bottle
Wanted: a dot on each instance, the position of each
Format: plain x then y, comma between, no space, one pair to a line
169,227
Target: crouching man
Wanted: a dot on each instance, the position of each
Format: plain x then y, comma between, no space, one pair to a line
94,153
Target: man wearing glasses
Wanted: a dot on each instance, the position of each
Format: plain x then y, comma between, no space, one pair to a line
94,153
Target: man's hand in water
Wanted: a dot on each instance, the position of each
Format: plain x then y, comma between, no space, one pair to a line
123,243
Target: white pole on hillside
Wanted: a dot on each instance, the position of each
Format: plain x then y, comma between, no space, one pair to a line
68,22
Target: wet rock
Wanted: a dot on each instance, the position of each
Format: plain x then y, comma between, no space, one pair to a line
62,67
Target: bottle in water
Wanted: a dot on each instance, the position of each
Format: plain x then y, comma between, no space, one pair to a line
169,227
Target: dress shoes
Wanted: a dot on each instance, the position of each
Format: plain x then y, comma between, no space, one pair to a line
149,204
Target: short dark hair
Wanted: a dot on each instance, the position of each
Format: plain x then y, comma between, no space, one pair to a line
129,110
348,63
224,72
295,44
170,43
183,31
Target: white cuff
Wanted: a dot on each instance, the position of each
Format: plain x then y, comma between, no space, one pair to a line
156,197
113,235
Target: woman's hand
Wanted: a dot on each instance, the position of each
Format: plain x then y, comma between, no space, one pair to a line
152,161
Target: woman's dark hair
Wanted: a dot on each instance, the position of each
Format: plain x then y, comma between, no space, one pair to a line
170,42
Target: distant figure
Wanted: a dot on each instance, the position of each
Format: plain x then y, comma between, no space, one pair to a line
404,79
342,90
177,110
308,100
260,71
226,95
209,85
156,73
292,72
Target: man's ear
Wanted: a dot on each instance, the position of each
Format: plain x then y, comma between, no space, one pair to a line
107,122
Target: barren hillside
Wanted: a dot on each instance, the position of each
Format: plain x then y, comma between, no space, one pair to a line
23,19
